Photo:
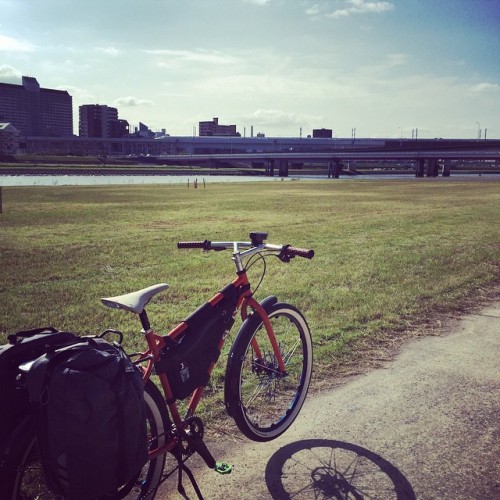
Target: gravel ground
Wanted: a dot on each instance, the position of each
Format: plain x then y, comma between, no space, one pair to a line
424,426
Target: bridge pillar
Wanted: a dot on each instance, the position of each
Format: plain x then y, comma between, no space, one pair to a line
420,168
446,168
283,168
432,167
334,168
269,168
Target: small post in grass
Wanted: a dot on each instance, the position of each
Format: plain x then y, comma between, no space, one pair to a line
1,211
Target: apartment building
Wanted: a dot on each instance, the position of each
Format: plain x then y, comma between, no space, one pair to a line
36,111
214,129
96,120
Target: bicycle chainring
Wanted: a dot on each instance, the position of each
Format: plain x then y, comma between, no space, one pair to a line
193,430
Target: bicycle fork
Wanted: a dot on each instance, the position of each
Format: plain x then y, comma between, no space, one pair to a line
260,310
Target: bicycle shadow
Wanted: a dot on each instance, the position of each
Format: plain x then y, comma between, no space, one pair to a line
324,468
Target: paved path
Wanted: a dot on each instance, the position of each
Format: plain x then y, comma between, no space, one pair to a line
426,426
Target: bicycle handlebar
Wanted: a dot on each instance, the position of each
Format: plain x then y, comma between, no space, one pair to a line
301,252
206,245
286,250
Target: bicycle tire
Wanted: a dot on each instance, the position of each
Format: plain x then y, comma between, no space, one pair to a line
262,402
23,477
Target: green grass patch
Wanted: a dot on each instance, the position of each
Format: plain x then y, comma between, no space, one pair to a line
388,254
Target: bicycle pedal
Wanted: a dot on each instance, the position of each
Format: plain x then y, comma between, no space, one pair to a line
223,468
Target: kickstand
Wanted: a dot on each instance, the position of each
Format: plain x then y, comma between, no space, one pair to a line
180,487
201,448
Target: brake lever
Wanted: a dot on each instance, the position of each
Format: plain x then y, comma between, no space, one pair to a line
283,256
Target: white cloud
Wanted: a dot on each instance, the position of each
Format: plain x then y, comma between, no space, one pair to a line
110,51
259,2
8,74
192,56
314,10
132,102
485,87
9,44
360,6
80,95
351,7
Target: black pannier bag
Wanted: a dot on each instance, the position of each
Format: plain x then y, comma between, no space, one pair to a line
187,360
22,347
88,405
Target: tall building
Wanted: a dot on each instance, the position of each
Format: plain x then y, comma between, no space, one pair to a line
36,111
96,120
214,129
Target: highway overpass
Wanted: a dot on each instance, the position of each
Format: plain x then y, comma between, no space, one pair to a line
426,162
276,154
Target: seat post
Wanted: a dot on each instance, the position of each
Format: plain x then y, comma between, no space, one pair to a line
144,320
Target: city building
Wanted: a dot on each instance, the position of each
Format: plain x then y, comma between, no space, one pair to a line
324,133
36,111
214,129
143,131
9,139
96,120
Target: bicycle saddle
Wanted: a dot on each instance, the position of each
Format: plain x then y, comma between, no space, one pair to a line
135,301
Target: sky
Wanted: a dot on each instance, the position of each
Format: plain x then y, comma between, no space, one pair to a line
284,67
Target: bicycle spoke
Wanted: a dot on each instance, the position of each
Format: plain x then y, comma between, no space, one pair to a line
268,396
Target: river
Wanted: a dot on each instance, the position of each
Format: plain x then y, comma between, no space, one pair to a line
103,180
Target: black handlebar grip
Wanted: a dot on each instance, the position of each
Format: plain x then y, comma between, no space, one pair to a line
301,252
194,244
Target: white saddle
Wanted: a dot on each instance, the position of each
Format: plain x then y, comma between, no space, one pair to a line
135,301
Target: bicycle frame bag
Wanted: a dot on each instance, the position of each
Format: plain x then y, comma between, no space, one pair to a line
22,347
88,404
188,360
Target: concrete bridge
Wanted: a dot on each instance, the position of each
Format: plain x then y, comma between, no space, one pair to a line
425,162
427,156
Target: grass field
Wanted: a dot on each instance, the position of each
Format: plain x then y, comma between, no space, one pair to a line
389,254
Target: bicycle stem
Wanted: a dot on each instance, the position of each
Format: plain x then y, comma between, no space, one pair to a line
238,256
238,262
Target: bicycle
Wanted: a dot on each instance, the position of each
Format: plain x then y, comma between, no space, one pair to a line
267,374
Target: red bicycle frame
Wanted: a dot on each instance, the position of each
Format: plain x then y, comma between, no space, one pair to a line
157,342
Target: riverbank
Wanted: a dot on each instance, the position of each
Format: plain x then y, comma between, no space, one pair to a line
389,254
148,171
31,170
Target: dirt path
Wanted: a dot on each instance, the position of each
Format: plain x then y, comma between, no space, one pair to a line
426,426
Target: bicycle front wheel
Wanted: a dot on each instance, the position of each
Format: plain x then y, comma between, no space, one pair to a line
263,401
24,478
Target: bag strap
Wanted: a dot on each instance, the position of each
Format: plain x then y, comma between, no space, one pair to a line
18,337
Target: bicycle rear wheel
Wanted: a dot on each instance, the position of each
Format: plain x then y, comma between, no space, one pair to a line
23,477
263,401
